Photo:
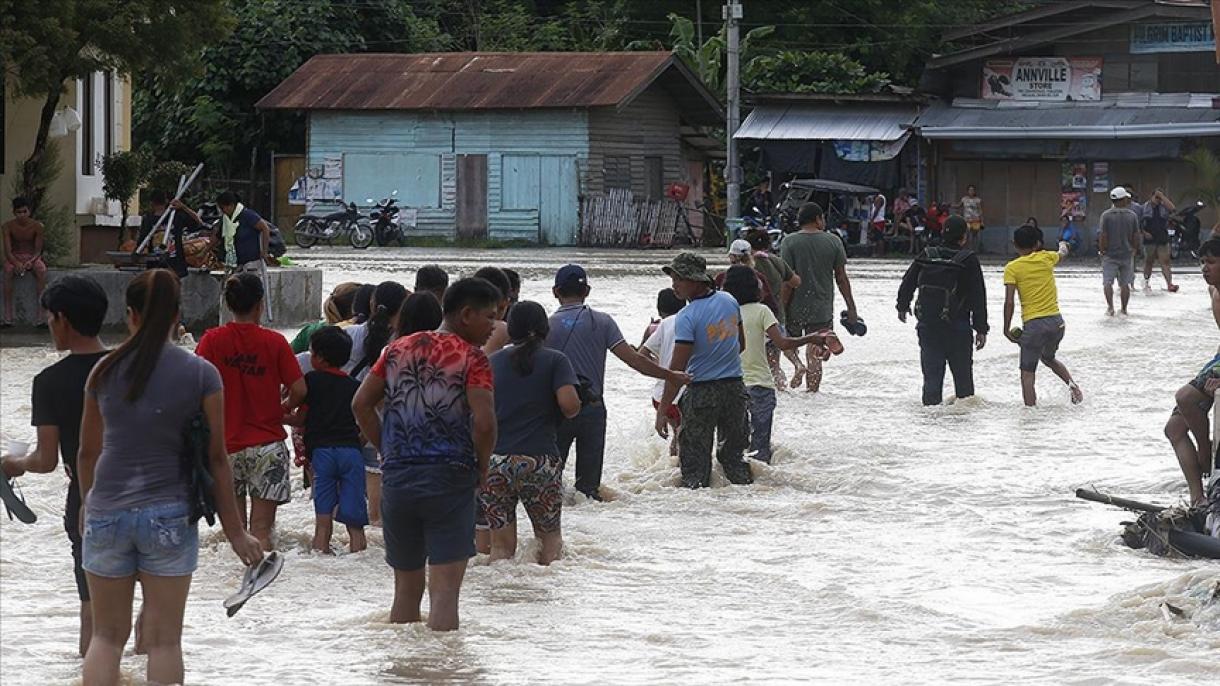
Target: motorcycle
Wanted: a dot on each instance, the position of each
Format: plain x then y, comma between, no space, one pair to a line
311,228
759,220
1184,228
385,221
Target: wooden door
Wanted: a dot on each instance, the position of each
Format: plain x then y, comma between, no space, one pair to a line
472,196
288,168
558,209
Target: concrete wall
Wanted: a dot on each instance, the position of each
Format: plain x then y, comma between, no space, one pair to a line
296,296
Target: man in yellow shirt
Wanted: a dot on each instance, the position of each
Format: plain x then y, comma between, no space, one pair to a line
1032,276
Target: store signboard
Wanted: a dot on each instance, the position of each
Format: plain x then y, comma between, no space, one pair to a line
1195,36
1042,78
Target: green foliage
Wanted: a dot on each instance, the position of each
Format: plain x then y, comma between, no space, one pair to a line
1207,176
164,176
708,60
46,43
123,172
57,221
811,72
211,118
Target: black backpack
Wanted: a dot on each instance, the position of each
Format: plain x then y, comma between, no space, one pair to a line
940,272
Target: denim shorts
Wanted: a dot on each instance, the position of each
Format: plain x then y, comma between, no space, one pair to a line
157,539
338,485
419,529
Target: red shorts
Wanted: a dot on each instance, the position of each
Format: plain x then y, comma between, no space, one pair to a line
674,414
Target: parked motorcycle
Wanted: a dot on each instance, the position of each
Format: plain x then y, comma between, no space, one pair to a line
1184,228
757,219
385,221
311,228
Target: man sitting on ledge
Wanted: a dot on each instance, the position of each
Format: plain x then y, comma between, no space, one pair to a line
23,239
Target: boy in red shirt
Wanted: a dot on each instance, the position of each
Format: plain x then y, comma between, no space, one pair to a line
256,365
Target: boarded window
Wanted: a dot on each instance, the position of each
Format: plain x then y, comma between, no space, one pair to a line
86,126
520,182
654,175
617,171
1129,73
416,177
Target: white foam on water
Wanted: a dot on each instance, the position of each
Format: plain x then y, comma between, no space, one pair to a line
887,542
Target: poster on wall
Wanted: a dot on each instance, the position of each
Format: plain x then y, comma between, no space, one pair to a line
1074,187
1101,177
1042,78
332,168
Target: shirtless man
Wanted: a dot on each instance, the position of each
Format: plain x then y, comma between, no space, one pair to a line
1195,399
23,254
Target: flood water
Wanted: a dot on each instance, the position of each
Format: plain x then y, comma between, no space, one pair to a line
888,543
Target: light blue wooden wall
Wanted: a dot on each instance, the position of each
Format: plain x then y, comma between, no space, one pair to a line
534,165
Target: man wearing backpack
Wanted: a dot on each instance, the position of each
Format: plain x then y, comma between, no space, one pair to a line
952,300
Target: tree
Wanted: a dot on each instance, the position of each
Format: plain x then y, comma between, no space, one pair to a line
45,44
811,72
123,172
707,60
211,118
1207,176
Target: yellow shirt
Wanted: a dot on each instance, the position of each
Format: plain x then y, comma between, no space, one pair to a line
1034,277
756,318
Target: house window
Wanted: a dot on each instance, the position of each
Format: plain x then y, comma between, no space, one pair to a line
86,126
617,171
1129,74
108,119
654,176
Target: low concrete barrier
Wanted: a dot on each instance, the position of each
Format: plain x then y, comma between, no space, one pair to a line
295,294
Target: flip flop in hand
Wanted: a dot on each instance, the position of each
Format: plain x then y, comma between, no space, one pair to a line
14,502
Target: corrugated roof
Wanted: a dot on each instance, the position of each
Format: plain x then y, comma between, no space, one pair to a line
829,122
1123,115
489,81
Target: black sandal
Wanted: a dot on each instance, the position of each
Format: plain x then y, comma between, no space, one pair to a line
14,502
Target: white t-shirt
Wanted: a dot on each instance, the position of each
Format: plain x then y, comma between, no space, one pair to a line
661,343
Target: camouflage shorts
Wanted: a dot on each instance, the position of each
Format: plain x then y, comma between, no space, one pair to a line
261,471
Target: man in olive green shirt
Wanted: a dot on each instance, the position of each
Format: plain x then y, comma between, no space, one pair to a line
820,261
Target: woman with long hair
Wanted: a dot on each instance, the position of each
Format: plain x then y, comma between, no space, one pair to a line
420,312
336,309
525,464
137,516
368,340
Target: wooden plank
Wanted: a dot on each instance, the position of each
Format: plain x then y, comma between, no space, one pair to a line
472,196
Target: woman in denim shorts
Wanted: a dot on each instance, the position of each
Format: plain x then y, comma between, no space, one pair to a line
136,517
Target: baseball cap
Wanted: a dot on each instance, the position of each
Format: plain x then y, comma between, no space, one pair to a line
740,247
1119,193
571,274
689,267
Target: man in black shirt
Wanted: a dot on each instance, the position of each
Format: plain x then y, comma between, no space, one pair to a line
952,300
185,218
76,308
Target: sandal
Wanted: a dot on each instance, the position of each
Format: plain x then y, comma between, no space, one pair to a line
14,502
257,577
833,344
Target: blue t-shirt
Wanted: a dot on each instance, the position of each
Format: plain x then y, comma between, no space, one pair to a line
584,335
526,410
710,324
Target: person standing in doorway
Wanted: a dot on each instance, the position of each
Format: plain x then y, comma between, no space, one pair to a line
23,243
1117,240
952,301
820,260
972,212
585,336
76,307
1156,239
708,342
257,366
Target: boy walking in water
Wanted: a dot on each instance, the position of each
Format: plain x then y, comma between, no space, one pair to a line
332,441
1194,400
76,308
436,442
1032,276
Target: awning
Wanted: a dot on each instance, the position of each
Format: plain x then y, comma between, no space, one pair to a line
846,122
1123,116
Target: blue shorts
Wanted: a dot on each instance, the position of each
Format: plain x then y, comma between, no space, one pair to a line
435,529
156,539
372,462
338,482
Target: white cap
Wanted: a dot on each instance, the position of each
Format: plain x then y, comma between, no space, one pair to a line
740,247
1119,193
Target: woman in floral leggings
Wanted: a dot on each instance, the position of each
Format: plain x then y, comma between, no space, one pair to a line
536,389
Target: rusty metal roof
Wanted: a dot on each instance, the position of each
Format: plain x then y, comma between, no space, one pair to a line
490,81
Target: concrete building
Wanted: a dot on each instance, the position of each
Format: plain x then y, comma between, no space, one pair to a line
1046,110
498,145
102,102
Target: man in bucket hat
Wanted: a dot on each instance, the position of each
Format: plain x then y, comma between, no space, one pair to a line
585,336
708,341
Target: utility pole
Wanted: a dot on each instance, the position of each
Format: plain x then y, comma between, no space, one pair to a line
699,22
732,13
